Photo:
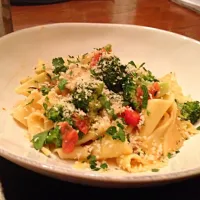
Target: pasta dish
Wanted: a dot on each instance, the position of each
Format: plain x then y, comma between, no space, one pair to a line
94,109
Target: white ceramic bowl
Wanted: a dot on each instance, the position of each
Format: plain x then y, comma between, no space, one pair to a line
162,52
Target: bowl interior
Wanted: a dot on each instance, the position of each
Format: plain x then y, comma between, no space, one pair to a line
162,52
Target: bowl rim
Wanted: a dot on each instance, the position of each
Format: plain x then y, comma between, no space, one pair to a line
130,178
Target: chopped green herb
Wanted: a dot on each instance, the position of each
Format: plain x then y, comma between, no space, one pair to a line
142,65
39,140
29,102
169,155
104,166
148,112
45,90
145,96
132,63
198,128
92,71
92,162
111,130
61,84
177,151
120,134
54,137
45,106
35,81
149,76
120,125
59,66
104,102
46,99
29,92
43,67
108,48
155,170
55,113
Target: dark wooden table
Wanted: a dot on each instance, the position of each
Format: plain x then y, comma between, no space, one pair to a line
20,183
161,14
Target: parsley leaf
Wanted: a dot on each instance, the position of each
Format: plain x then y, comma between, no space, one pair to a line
120,135
120,125
169,155
59,66
39,140
111,130
61,84
45,106
46,99
54,137
104,166
132,63
145,96
55,113
198,128
45,90
92,162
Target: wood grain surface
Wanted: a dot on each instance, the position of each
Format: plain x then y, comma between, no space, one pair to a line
161,14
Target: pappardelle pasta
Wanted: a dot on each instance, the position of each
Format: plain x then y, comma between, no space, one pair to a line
93,109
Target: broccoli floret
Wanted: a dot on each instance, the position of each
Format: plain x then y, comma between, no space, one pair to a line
129,92
83,95
111,71
81,99
190,111
129,89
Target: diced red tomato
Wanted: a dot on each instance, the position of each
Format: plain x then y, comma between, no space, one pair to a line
69,136
153,89
139,94
131,117
81,124
95,59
